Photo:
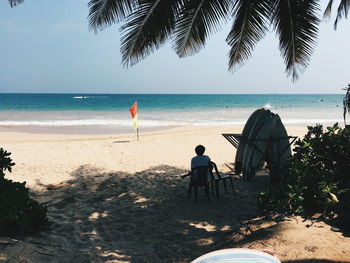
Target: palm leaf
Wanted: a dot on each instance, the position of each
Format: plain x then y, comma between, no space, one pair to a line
296,23
197,20
103,13
249,26
328,10
147,29
15,2
343,10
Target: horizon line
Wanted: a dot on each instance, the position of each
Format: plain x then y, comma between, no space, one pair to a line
110,93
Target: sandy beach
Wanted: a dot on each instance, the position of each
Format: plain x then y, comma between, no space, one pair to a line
77,77
113,198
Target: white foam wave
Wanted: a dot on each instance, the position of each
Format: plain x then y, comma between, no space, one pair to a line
267,106
90,122
161,119
310,121
149,123
88,97
81,97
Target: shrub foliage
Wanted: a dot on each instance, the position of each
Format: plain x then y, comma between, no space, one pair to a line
318,177
19,214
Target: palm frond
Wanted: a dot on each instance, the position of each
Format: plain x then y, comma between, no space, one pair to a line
103,13
296,23
147,29
197,20
249,26
13,3
327,12
343,10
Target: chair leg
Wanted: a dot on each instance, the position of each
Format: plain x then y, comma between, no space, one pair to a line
217,188
225,186
207,192
190,188
195,193
233,187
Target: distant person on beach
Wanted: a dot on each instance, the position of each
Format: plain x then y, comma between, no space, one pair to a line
199,160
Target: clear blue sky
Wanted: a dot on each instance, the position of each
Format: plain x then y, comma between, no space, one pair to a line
46,46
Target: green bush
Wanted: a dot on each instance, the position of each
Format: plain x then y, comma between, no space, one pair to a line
19,213
318,177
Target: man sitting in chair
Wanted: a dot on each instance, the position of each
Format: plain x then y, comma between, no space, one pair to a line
202,160
199,160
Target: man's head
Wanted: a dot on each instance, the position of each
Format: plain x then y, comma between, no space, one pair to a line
200,149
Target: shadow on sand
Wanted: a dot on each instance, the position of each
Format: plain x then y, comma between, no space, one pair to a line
142,217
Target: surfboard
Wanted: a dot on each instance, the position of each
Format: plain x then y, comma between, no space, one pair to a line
284,145
258,124
236,255
242,143
261,145
280,150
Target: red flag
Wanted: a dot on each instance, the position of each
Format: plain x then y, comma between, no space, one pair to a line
133,110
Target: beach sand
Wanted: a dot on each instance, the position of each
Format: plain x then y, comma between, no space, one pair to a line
112,198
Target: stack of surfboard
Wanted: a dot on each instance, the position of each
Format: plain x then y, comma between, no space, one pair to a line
264,139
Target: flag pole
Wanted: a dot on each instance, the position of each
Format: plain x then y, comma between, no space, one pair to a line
137,132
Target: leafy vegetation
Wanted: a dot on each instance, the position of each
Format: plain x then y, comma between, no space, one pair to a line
318,178
20,214
346,103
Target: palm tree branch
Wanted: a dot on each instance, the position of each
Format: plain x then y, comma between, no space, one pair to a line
147,29
296,23
293,49
197,19
103,13
143,22
13,3
240,40
343,10
328,10
248,28
181,48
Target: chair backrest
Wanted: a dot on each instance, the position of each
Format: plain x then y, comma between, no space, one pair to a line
200,175
217,175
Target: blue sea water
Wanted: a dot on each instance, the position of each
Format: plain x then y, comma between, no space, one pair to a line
161,102
162,110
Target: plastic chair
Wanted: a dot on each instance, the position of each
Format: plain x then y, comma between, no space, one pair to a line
217,177
199,178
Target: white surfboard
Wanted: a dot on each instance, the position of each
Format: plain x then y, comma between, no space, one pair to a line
262,143
258,124
237,255
280,152
242,143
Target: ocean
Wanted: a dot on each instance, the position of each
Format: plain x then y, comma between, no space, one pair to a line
110,112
